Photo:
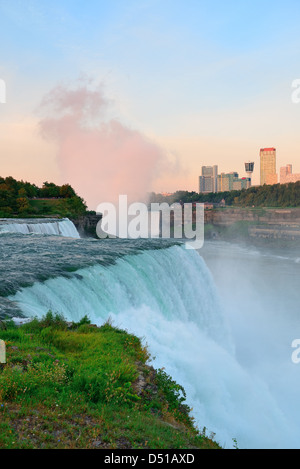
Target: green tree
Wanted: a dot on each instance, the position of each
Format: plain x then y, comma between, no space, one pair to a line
23,205
66,191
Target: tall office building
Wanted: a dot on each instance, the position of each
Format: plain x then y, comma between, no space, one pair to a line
287,175
208,181
225,181
268,166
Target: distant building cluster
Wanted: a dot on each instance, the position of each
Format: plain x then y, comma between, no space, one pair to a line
211,181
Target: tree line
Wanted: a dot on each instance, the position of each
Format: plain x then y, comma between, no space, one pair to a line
19,198
277,195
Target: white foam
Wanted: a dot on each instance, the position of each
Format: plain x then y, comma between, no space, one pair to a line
64,228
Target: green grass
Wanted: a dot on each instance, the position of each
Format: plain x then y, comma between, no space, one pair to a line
79,386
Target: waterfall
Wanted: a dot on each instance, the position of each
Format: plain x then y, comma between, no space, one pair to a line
153,279
168,298
63,227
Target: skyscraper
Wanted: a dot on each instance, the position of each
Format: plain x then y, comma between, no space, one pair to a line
268,166
225,181
287,175
208,181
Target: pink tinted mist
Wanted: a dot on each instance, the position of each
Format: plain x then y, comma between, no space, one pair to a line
101,158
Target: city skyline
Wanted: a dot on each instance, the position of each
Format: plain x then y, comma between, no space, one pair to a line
211,180
184,82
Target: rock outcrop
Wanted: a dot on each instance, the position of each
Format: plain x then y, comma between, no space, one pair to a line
86,224
270,223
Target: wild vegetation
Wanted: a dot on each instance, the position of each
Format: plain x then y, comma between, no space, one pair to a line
80,386
277,195
23,199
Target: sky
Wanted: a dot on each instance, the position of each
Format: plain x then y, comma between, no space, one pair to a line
130,96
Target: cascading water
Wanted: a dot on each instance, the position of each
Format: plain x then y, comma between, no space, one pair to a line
42,227
168,297
152,279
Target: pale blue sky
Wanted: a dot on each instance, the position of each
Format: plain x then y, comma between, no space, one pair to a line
209,80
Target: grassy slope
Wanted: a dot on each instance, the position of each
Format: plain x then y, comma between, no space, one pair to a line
85,387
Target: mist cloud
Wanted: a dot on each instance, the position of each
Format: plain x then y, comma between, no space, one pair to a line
100,156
